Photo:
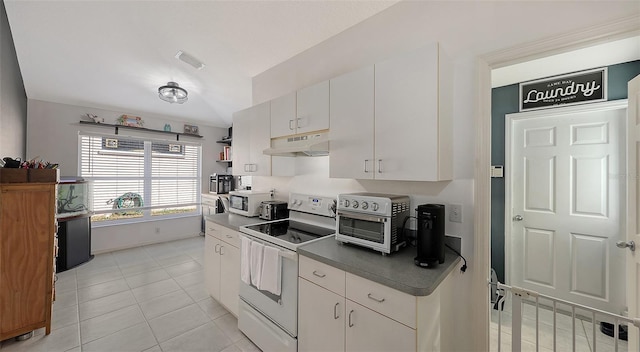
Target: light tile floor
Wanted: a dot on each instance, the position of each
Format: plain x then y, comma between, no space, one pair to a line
149,298
564,332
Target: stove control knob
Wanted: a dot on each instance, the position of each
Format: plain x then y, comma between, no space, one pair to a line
355,204
365,205
375,206
346,203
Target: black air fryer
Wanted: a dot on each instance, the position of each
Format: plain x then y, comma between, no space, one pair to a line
430,237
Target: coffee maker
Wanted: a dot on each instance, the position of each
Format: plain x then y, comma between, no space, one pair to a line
430,236
220,184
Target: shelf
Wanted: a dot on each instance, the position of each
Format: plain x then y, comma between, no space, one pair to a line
224,161
224,141
117,127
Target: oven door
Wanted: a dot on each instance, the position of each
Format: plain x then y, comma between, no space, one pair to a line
367,230
282,310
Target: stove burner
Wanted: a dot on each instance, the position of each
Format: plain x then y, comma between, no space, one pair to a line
292,231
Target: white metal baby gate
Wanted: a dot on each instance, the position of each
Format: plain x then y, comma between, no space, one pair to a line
520,296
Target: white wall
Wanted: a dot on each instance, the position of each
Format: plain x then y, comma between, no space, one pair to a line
465,30
13,99
52,135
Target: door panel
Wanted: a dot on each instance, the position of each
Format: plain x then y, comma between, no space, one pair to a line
590,195
570,207
540,181
589,265
539,256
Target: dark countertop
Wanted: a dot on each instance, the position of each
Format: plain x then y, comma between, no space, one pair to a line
233,221
396,270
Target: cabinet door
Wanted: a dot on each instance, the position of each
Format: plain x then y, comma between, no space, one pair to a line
260,140
212,266
313,108
26,261
241,142
229,277
406,124
321,317
251,135
351,119
283,115
389,334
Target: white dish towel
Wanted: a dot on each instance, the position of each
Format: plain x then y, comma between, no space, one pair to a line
271,269
245,260
257,250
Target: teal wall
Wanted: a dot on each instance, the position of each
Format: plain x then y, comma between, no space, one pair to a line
504,100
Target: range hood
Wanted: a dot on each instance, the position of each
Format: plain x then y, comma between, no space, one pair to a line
312,144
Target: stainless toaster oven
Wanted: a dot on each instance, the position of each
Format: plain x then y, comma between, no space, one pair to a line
372,220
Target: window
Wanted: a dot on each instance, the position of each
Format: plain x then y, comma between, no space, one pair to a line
140,179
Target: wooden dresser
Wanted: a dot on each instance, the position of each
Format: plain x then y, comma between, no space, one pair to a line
27,250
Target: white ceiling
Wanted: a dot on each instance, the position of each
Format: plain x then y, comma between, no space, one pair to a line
117,53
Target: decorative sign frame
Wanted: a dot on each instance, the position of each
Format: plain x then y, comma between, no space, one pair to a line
191,129
582,87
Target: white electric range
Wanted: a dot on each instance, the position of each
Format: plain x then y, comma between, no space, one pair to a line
271,321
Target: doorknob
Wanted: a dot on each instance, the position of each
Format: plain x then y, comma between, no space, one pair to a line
622,244
518,218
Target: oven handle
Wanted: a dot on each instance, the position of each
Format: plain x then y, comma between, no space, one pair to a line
281,252
357,216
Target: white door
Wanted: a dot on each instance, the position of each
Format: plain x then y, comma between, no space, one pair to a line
241,142
633,209
260,140
407,125
369,331
568,203
351,118
313,108
283,115
321,319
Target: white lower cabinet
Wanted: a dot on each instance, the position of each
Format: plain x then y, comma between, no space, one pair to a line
370,331
321,318
362,315
222,265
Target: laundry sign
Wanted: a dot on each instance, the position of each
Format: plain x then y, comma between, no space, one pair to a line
574,88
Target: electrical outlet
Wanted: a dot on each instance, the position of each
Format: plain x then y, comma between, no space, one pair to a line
455,213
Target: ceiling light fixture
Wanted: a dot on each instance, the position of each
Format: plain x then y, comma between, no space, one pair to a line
173,93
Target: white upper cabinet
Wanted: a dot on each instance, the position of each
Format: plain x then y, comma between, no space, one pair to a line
251,135
283,115
392,121
306,110
313,108
413,139
352,121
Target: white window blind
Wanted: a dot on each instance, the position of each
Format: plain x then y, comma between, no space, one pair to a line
137,178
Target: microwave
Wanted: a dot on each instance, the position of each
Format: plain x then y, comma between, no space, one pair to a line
220,184
247,203
372,220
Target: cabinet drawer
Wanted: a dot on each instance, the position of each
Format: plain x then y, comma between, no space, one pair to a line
382,299
322,274
223,234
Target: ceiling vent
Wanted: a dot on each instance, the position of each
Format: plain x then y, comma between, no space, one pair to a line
188,59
